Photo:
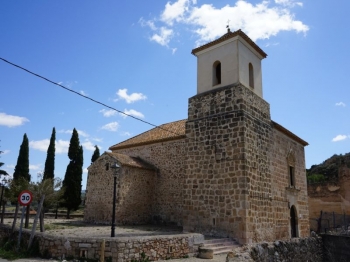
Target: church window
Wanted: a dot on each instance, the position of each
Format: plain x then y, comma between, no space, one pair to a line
216,73
291,169
251,75
291,176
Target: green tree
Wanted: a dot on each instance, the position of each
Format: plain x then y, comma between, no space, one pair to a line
74,173
2,172
22,170
50,158
95,155
2,198
51,190
22,166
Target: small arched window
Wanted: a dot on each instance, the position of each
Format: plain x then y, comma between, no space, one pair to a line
216,73
251,75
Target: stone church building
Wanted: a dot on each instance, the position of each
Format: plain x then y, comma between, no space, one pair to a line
226,170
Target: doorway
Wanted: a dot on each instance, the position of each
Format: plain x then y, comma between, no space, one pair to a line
293,222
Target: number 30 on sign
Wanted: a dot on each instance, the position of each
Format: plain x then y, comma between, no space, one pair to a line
25,198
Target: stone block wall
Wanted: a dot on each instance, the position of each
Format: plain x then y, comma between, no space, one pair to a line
168,157
296,249
285,152
336,248
135,188
228,181
329,197
119,249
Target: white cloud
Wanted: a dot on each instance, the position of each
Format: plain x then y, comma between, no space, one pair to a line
68,84
132,112
148,23
83,93
108,113
88,145
61,146
340,138
113,126
175,12
4,152
340,104
126,134
12,121
85,170
122,94
259,21
35,167
97,139
289,3
80,132
40,145
163,37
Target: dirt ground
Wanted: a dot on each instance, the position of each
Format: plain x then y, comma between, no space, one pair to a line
79,228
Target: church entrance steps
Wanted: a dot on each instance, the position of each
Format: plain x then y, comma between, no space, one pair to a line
216,246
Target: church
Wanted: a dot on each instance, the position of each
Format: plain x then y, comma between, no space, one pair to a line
227,170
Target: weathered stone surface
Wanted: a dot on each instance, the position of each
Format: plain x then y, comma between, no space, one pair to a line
156,248
299,249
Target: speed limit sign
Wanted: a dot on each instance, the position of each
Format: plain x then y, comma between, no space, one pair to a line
25,198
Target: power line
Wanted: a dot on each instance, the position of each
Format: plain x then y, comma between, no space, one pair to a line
93,100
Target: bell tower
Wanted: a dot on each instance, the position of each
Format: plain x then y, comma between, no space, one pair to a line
227,188
231,59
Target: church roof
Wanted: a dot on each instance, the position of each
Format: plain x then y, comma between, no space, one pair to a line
177,130
165,132
288,133
126,160
230,35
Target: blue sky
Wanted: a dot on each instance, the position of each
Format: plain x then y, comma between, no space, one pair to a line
135,56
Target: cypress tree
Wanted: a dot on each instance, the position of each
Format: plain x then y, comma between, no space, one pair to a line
95,155
50,158
73,177
22,167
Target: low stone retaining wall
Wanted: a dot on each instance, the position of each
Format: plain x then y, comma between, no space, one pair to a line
297,249
336,247
121,249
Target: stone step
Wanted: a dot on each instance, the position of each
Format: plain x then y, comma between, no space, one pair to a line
219,245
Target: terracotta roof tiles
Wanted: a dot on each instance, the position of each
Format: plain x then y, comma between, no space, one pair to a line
165,132
126,160
227,36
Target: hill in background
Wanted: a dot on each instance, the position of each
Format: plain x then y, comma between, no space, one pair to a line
328,170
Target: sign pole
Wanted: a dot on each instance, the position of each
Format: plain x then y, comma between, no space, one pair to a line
24,199
20,228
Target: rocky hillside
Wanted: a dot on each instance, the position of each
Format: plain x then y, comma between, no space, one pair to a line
328,170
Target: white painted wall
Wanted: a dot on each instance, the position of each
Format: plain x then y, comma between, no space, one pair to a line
235,54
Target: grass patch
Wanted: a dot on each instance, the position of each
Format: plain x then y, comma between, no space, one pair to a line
10,254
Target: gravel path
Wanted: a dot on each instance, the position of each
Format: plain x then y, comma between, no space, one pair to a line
78,228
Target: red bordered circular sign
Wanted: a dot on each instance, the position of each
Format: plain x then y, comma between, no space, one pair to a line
25,198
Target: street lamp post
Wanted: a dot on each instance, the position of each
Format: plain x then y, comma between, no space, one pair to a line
116,167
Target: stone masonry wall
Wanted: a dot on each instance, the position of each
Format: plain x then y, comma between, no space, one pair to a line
329,197
296,249
169,158
119,249
228,180
134,194
283,195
